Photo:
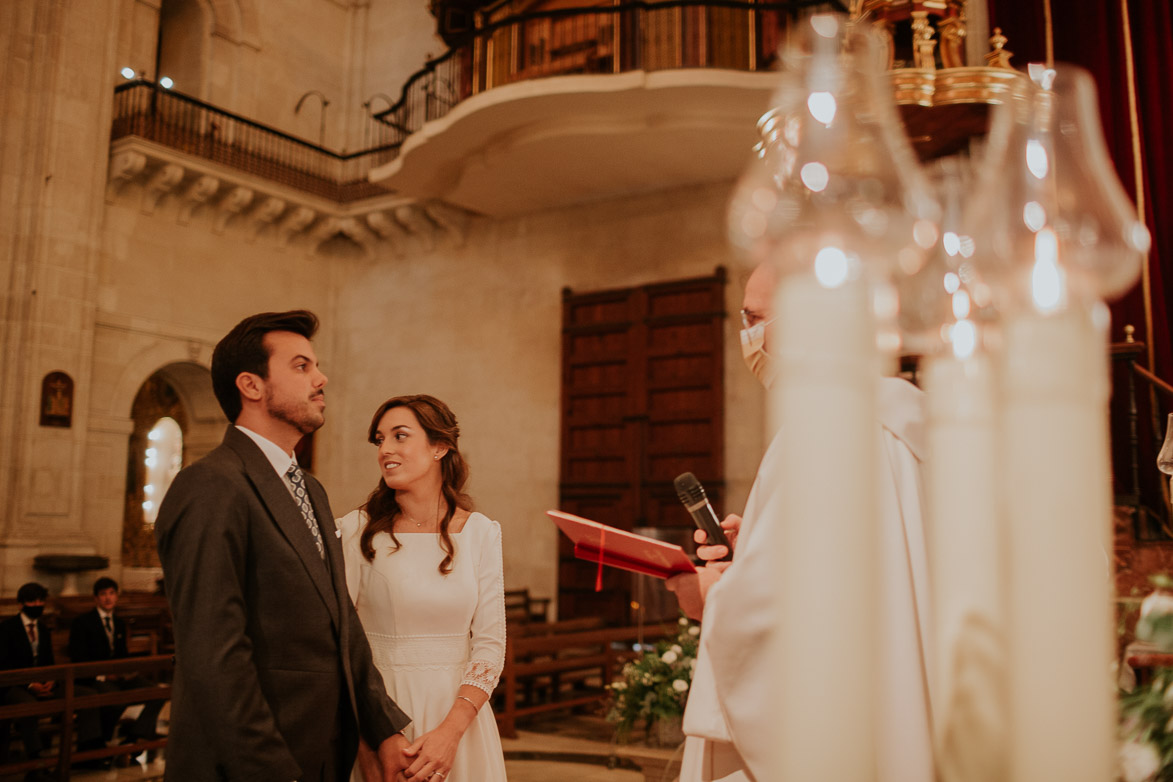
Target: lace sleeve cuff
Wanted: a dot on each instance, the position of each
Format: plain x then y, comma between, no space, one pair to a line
481,675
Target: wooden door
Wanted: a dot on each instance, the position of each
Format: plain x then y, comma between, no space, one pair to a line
642,402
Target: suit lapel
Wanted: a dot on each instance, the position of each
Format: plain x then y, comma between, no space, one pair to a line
284,511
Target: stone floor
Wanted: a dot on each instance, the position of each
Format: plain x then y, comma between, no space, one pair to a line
566,749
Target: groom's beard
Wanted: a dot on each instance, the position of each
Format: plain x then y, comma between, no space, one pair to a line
303,416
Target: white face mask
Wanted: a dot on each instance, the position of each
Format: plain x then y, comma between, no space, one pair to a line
753,350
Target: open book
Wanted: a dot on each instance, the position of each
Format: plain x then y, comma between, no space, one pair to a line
595,542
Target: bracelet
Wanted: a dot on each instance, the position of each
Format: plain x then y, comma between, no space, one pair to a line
470,703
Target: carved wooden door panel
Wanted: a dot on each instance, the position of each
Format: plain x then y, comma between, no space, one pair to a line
642,402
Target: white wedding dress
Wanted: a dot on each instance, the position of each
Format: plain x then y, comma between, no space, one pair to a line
430,633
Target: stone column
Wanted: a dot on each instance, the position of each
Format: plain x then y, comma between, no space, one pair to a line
55,122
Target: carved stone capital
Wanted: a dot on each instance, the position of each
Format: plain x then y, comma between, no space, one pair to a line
450,218
351,227
293,223
162,182
124,166
231,205
268,211
196,195
418,224
386,227
324,230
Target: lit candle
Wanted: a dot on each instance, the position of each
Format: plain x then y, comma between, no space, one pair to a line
825,401
966,559
1057,510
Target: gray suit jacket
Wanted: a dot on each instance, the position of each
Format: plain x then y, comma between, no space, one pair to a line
273,670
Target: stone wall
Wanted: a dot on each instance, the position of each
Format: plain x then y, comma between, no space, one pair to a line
480,327
112,285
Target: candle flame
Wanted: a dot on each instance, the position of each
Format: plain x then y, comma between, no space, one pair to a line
963,336
831,267
822,106
1047,280
1036,158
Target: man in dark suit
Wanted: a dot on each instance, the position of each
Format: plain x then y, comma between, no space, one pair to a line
274,678
25,642
101,635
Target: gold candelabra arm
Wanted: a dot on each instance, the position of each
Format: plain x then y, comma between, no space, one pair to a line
924,51
999,56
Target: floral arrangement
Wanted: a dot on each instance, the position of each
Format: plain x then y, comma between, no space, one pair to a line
1146,710
655,685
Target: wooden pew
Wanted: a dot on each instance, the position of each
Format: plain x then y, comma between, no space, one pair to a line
66,703
521,607
589,659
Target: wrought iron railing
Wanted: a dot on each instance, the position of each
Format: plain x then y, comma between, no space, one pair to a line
506,47
188,125
1137,426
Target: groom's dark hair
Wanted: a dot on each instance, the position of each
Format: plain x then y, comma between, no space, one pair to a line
243,350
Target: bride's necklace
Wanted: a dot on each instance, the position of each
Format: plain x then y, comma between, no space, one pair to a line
420,524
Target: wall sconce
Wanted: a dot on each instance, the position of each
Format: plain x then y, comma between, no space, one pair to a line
325,103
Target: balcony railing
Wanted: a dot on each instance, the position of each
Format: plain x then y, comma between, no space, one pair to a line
506,47
188,125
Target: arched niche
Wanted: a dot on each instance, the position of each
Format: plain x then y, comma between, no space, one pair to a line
174,419
184,46
195,34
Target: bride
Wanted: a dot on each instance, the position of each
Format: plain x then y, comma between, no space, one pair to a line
425,573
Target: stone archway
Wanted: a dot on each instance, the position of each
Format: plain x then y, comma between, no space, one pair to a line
184,45
176,398
124,364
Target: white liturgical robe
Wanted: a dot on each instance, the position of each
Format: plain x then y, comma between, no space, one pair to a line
729,721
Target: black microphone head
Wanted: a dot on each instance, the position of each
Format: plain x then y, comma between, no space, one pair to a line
689,489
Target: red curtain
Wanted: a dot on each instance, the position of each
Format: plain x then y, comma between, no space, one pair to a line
1092,34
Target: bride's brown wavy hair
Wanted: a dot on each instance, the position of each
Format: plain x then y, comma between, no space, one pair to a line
381,507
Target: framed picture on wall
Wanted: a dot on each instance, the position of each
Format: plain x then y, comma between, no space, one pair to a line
57,400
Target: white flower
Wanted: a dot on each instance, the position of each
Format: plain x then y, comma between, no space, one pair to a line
1158,602
1138,761
694,631
683,621
692,664
677,648
619,686
669,657
680,685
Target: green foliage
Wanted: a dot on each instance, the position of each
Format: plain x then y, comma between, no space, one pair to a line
656,684
1146,712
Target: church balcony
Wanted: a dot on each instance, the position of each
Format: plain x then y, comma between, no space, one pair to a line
552,107
236,174
539,105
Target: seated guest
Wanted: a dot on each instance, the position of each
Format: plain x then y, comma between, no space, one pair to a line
100,635
25,642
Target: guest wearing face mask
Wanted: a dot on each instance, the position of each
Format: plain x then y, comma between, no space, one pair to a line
727,722
26,642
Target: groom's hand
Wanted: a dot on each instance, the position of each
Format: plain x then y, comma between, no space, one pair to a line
391,756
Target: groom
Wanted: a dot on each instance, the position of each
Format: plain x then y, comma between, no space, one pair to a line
274,678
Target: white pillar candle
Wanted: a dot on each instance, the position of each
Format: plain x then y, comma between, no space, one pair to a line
967,564
825,403
1058,510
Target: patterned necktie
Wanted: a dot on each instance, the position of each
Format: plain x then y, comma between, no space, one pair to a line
109,631
32,628
297,481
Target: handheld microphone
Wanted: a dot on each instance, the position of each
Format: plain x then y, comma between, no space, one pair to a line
692,494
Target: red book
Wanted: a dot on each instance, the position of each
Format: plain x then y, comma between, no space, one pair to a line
595,542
